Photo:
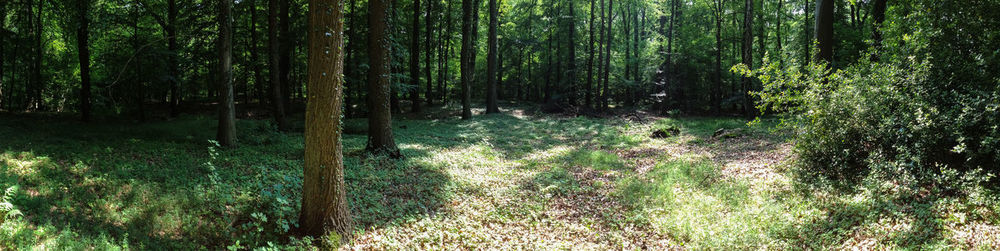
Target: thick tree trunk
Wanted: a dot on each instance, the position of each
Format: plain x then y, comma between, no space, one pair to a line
468,54
491,61
380,140
227,110
82,41
878,15
3,59
324,200
415,59
824,30
274,46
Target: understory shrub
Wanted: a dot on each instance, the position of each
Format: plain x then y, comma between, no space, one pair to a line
928,112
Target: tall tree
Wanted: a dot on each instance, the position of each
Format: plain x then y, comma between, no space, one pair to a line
717,77
824,30
83,46
428,53
285,47
324,200
227,110
415,59
807,39
380,139
274,46
468,52
747,55
590,60
491,60
258,75
571,53
605,94
878,15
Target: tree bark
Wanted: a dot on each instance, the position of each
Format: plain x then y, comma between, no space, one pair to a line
747,53
415,59
467,57
380,140
491,61
227,110
428,54
717,78
324,200
258,75
285,47
274,46
807,40
571,75
588,90
878,15
172,67
605,97
824,30
82,41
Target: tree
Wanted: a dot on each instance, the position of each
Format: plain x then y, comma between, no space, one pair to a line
590,60
324,200
824,30
82,43
274,46
605,94
467,57
380,139
878,15
747,56
227,110
415,59
428,53
491,60
717,77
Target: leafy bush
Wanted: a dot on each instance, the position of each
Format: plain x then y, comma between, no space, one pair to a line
926,113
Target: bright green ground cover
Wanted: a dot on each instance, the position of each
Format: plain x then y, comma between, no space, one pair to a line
498,181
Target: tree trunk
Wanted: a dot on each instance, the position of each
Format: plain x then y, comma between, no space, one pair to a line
172,67
429,54
747,53
285,47
878,15
807,31
588,90
780,36
491,61
82,41
380,140
227,110
324,200
415,59
467,57
717,78
571,75
824,30
258,73
274,46
37,69
607,60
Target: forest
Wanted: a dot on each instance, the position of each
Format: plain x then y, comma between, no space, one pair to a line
499,124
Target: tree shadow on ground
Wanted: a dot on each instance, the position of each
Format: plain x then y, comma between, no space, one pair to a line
150,184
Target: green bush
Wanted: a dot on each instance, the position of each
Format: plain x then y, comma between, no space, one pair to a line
925,112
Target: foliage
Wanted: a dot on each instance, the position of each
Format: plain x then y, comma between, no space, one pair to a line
909,116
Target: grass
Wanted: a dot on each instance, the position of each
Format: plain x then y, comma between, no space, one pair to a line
509,180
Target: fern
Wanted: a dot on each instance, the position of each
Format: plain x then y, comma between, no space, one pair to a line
7,208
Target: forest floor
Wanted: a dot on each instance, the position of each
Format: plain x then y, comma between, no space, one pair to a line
516,180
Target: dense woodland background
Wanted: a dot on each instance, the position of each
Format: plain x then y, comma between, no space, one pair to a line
894,102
